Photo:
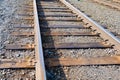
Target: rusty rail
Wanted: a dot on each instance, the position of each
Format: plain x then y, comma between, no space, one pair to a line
40,67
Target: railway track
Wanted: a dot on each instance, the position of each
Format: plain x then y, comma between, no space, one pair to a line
110,3
116,1
53,29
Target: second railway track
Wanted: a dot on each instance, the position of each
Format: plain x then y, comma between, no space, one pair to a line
111,3
62,39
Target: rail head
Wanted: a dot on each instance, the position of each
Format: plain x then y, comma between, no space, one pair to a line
105,34
40,66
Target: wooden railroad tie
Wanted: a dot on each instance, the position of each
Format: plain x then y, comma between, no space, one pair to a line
47,33
42,15
53,62
16,63
50,10
19,46
59,46
68,34
22,33
23,26
60,19
52,7
75,45
108,60
63,26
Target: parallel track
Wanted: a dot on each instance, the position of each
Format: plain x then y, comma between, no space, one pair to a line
52,19
106,3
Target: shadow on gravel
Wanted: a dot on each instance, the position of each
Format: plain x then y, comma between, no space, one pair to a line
53,73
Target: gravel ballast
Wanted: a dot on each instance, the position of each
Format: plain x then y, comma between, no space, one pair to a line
9,16
104,15
8,9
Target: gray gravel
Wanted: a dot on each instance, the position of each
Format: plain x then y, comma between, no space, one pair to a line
9,16
21,74
104,15
76,53
86,73
94,73
69,39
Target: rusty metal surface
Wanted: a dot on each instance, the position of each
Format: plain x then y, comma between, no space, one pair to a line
75,45
108,60
16,63
39,66
19,46
105,34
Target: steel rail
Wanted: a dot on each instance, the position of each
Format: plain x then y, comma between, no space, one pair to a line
105,34
40,66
